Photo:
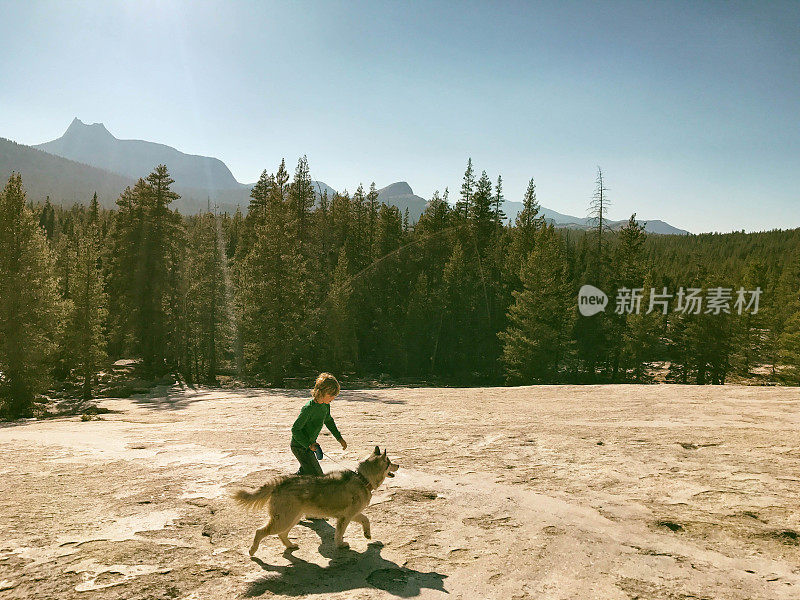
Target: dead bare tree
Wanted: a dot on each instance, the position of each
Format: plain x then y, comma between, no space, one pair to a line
598,209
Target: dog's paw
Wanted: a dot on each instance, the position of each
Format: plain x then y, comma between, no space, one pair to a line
368,535
252,551
343,546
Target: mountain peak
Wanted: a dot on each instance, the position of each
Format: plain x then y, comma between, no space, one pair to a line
78,127
401,188
94,145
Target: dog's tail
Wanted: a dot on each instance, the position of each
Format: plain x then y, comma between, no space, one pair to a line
258,498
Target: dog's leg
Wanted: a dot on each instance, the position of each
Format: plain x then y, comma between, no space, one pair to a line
360,518
278,524
284,535
268,529
341,525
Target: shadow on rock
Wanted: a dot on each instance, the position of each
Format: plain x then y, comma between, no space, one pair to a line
164,399
348,570
177,398
366,396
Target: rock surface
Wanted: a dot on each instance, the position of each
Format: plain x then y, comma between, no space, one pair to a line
502,493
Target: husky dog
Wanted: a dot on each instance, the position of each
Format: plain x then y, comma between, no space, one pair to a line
341,494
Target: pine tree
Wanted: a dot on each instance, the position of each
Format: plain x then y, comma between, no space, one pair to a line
340,220
121,260
259,196
372,205
87,317
158,272
388,230
526,226
592,334
433,235
701,344
281,179
776,312
145,271
341,342
233,230
628,274
421,312
63,249
47,218
755,333
94,210
678,350
435,217
301,198
641,342
497,207
324,202
710,344
452,352
207,300
464,346
482,262
464,203
481,216
272,294
322,231
500,298
31,312
359,254
529,221
536,341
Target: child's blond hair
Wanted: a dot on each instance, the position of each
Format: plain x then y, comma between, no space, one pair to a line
326,385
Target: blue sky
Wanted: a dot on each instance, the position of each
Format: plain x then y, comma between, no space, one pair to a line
691,109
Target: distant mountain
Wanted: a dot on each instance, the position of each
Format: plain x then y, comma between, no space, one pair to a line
397,194
94,145
560,220
65,181
111,164
201,181
402,196
321,187
68,182
658,226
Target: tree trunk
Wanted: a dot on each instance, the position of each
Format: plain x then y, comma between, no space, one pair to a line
87,386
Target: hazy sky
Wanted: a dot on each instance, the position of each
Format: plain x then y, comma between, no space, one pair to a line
691,109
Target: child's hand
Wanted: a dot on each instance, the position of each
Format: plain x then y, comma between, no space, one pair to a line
344,444
314,446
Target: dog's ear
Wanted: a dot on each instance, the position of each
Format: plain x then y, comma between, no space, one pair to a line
377,450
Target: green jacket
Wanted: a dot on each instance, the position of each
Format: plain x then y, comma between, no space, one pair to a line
309,423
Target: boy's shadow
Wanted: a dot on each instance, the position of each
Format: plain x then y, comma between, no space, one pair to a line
347,570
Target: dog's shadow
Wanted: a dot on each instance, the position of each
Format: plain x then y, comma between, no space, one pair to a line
347,570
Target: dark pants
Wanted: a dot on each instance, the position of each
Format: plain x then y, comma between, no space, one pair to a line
309,465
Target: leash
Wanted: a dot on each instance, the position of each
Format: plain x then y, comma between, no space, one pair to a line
360,476
326,455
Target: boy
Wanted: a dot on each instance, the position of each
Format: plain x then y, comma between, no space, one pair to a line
308,424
